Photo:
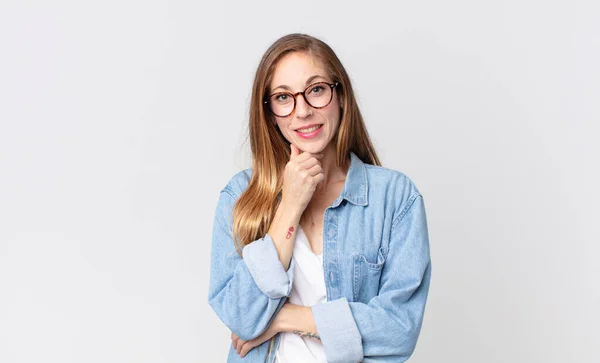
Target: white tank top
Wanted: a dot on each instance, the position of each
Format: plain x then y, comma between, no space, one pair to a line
308,288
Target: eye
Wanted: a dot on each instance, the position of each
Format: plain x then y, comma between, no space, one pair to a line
282,97
317,89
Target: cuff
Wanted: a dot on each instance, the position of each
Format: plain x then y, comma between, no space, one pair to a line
339,334
262,260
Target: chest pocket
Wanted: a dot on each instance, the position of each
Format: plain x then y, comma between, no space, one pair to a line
366,276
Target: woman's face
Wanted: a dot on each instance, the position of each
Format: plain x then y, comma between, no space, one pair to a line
293,73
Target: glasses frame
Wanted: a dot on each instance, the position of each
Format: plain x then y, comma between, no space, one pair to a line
303,93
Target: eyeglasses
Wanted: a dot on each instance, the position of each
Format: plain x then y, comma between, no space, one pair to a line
317,95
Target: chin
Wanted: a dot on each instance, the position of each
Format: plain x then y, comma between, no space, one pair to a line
313,149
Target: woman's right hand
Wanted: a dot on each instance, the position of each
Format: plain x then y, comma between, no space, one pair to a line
300,179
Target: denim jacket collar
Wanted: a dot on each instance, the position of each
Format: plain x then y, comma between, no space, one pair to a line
356,186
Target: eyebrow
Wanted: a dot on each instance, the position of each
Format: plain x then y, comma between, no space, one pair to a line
308,81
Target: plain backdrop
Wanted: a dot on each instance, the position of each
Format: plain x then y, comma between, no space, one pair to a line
120,122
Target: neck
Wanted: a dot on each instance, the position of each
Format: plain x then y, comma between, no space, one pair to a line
333,173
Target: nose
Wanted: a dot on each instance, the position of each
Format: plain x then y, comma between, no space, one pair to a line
303,109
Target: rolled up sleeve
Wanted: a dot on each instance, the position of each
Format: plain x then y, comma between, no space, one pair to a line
263,262
246,293
338,331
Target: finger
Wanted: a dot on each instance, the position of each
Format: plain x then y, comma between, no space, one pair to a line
319,178
307,164
295,151
240,344
245,349
315,169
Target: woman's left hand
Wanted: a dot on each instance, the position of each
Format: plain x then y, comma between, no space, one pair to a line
242,347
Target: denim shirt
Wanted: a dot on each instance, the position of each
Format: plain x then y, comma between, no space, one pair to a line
376,264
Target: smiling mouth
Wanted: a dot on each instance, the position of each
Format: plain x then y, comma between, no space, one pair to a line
308,130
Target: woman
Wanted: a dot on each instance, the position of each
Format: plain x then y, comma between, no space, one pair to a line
318,252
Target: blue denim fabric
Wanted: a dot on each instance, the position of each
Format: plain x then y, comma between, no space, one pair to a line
376,263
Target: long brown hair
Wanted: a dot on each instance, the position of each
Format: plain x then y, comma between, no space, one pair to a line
255,209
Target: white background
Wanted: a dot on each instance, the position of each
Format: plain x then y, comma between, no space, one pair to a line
120,122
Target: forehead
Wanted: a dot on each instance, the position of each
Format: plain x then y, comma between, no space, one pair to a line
295,68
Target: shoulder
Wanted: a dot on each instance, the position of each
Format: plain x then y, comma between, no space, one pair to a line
392,186
381,177
238,183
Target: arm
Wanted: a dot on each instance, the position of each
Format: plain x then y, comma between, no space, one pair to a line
246,293
388,326
291,318
297,319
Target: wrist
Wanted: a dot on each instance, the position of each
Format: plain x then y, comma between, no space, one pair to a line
290,316
290,211
283,318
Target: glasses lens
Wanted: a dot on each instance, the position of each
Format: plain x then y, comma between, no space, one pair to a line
318,94
281,104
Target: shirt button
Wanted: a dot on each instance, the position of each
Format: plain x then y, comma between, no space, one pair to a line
331,277
330,233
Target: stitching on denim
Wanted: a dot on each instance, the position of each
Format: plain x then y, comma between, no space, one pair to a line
356,277
366,180
228,190
406,208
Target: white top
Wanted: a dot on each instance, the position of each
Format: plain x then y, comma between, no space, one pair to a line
308,288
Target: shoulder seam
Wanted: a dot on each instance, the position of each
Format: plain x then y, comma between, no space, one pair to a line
385,168
409,204
228,190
